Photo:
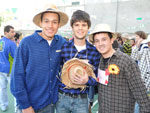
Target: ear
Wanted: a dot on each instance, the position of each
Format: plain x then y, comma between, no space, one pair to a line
112,40
59,25
40,23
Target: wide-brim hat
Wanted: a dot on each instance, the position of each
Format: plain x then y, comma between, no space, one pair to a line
52,8
100,28
75,66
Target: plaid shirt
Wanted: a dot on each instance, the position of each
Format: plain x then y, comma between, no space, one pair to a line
124,89
69,51
143,58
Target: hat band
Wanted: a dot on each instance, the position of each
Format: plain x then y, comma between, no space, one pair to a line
49,9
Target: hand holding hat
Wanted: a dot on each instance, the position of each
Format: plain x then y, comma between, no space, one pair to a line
75,73
79,76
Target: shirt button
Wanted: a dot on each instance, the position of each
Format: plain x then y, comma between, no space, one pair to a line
50,81
50,59
51,70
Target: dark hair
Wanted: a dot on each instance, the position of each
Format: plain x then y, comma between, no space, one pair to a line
119,38
142,34
115,44
7,28
17,35
80,15
50,12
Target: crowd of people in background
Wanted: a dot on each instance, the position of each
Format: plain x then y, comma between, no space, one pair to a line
38,59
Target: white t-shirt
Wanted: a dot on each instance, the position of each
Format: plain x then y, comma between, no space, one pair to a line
79,48
49,42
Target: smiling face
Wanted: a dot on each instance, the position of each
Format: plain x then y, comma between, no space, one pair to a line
80,29
49,25
103,44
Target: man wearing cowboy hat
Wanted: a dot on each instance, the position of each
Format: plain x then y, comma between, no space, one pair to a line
37,63
120,84
73,99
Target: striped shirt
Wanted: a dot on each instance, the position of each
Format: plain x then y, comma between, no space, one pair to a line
127,47
69,51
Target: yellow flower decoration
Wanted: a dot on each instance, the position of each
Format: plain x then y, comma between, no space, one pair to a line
113,69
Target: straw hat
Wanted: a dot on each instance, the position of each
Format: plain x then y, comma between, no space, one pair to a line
100,28
52,8
75,66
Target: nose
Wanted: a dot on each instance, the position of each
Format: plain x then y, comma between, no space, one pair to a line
80,27
50,24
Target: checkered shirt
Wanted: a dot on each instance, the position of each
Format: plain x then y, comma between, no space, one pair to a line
124,89
69,51
143,58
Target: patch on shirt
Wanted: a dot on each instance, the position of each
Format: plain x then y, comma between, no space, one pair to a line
2,45
103,76
58,50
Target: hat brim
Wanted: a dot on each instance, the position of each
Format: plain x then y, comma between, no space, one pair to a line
63,17
91,38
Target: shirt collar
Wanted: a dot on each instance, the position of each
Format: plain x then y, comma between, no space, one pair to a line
39,38
71,42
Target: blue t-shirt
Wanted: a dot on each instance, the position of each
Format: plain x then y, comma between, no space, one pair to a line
7,51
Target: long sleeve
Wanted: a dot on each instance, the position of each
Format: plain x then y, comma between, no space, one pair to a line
17,86
137,87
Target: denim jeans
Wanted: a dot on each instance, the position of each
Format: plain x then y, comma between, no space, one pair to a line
48,109
3,89
137,108
67,104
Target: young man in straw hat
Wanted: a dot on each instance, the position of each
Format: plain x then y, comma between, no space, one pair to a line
120,83
37,63
75,100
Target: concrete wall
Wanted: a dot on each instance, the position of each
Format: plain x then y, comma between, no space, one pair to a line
123,16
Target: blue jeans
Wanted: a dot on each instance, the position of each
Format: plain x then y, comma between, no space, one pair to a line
137,108
67,104
3,89
48,109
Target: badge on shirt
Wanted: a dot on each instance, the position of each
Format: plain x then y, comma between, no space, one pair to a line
103,76
58,50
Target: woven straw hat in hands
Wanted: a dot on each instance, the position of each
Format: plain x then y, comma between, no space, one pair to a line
75,66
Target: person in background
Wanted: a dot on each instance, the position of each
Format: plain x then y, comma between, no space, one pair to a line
7,51
17,38
120,84
133,42
127,47
141,54
74,100
37,60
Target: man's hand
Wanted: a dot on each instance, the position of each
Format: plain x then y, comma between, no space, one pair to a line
80,79
28,110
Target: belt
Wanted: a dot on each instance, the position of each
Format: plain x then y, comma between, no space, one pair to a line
74,95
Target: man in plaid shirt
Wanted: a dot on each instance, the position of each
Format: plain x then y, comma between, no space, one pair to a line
120,84
75,100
